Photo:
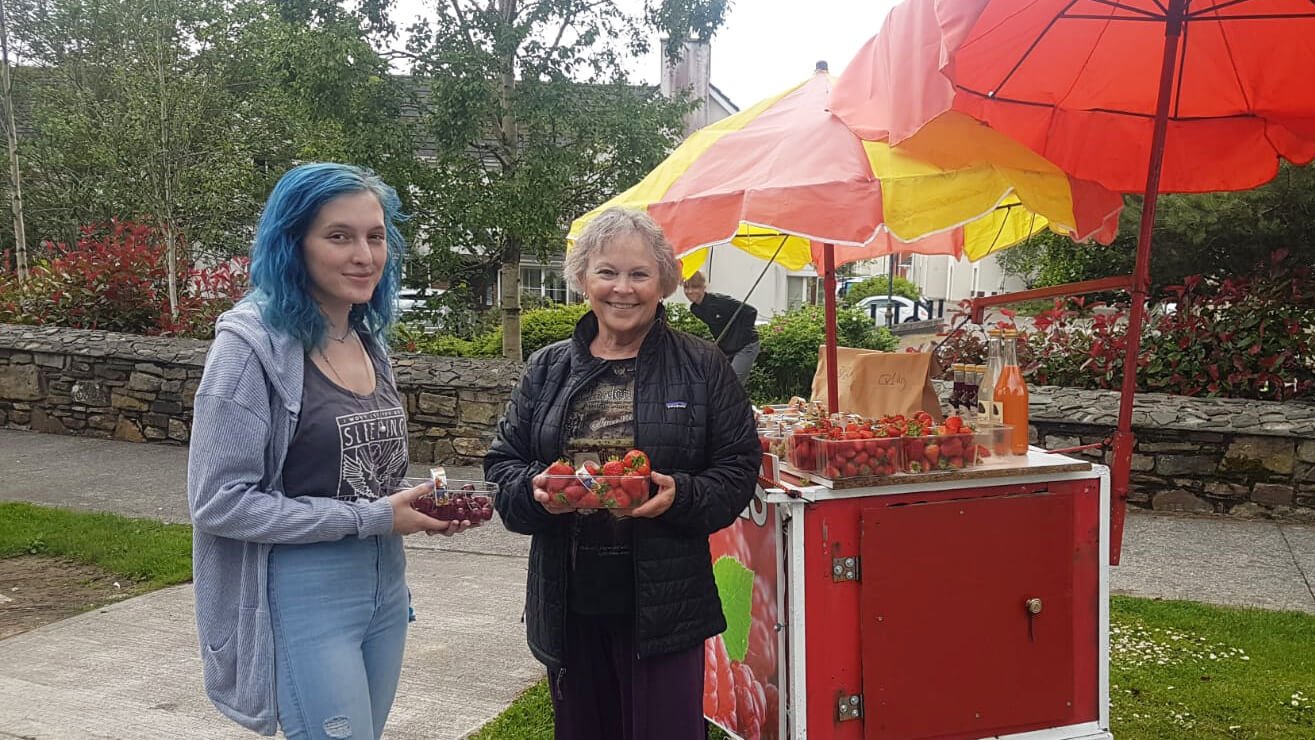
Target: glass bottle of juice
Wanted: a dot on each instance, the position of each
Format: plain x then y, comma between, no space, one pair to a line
986,408
1010,393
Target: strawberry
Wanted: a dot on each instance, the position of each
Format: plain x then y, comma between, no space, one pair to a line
574,493
933,454
613,468
635,487
589,500
635,462
559,475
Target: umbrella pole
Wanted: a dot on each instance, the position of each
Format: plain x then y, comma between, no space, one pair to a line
1124,440
829,285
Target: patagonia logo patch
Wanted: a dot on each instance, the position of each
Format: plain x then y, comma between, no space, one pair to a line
676,404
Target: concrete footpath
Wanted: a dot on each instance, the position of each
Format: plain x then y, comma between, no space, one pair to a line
131,671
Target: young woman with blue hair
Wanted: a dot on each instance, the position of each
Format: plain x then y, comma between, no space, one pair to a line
298,439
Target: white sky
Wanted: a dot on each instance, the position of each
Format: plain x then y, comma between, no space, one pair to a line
765,46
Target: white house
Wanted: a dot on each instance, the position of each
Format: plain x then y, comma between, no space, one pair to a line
945,278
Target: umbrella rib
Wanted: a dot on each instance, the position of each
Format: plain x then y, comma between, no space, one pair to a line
1113,111
1251,17
1232,64
1120,6
1035,42
1220,6
752,288
1181,72
1096,17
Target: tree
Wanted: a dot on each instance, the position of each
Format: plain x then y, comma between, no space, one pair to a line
11,147
183,113
878,285
1212,234
1220,234
533,122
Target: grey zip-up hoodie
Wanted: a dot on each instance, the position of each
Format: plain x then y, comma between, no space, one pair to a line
243,419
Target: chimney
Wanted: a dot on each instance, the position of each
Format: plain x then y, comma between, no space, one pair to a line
693,73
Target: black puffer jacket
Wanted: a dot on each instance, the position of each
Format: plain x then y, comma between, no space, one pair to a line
694,421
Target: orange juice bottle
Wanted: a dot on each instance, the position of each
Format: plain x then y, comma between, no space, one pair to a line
1011,394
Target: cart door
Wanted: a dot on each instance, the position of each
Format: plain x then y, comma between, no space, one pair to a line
967,609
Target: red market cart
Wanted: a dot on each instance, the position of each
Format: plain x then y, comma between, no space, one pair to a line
959,604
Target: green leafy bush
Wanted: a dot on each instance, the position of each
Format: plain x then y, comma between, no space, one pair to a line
790,341
680,317
877,286
540,327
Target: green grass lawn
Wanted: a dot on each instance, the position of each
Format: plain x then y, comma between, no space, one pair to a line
1177,670
149,553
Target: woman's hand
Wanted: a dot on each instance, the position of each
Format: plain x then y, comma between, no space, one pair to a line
407,520
541,495
661,501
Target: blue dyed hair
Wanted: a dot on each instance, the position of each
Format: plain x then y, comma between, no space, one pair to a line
279,280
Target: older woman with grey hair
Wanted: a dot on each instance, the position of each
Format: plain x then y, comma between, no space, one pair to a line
625,602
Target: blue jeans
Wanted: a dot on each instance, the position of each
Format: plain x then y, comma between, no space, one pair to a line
339,611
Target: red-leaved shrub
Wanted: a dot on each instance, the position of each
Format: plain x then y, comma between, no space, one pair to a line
115,278
1239,337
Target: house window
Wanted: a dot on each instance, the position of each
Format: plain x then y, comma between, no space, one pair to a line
532,280
547,282
800,290
554,286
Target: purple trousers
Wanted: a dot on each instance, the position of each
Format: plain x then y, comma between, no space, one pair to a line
608,693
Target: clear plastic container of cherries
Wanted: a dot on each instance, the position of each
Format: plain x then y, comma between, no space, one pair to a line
453,500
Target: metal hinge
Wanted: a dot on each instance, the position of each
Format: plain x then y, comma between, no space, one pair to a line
845,568
849,706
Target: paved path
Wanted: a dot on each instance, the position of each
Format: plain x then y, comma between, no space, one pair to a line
131,672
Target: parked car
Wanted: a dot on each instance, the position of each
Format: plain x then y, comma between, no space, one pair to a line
413,306
902,308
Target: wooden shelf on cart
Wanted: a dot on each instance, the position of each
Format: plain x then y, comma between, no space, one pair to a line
1038,461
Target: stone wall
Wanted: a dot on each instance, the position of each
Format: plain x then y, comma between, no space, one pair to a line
1208,455
140,389
1246,458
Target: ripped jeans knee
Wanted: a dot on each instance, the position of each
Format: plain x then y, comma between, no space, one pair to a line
338,728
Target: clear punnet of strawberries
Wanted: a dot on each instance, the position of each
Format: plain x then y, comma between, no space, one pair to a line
619,483
930,447
855,447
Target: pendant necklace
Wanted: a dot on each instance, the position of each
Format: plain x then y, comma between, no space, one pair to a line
339,377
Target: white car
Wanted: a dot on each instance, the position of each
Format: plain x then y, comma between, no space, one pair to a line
411,304
902,308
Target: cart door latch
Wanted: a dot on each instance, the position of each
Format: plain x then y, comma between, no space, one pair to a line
846,568
849,706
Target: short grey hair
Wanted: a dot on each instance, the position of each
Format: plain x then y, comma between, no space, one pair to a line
614,223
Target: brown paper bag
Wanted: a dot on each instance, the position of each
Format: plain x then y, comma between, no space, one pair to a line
877,384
